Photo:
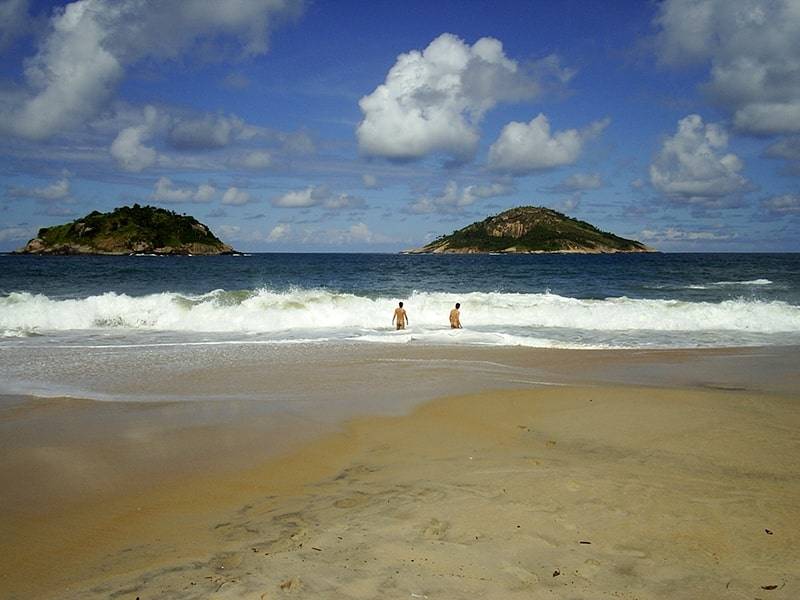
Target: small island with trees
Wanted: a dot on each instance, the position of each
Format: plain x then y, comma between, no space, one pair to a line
530,229
128,230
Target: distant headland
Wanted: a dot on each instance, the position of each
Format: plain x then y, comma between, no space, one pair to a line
128,230
530,229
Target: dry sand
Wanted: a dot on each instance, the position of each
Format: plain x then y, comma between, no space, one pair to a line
560,492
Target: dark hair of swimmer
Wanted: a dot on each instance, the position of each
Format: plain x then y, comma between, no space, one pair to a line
458,305
401,305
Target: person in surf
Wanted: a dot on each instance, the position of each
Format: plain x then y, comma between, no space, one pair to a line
400,317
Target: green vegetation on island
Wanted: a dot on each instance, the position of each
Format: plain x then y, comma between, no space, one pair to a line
128,230
530,229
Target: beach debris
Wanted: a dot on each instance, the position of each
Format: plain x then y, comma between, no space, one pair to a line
768,531
317,549
769,587
556,573
584,542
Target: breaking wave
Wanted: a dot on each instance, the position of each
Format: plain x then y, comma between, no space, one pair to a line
493,318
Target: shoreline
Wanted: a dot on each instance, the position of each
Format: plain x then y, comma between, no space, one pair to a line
180,487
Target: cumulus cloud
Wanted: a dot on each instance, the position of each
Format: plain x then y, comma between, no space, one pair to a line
433,101
89,43
58,190
753,49
786,204
454,200
233,196
167,192
128,148
524,148
692,167
281,231
317,196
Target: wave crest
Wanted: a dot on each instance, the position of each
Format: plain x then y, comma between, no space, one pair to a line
267,311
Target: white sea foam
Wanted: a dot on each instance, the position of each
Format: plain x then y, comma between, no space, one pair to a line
749,282
308,314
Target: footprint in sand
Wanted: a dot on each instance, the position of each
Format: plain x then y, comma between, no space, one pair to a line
352,501
436,530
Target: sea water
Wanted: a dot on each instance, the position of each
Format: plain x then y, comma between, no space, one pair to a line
565,301
280,326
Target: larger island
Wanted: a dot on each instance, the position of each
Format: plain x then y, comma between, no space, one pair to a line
530,229
128,230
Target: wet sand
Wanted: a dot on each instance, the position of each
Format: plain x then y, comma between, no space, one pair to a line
596,488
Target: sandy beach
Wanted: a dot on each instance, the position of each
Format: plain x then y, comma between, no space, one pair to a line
596,475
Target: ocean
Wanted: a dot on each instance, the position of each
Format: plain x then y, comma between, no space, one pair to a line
149,327
565,301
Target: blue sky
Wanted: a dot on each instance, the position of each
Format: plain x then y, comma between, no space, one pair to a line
376,126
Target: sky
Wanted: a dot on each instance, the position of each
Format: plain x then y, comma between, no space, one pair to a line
350,126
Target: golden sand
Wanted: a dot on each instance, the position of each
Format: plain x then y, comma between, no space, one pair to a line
568,492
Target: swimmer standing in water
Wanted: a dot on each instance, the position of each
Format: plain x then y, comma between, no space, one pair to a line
400,317
455,317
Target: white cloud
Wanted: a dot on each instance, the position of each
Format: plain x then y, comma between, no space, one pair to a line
128,147
281,231
298,142
317,196
342,201
166,192
571,203
257,160
524,148
204,193
310,196
370,181
16,234
787,204
358,233
753,49
578,182
208,132
691,167
673,234
83,56
233,196
58,190
433,101
13,21
236,81
787,148
453,200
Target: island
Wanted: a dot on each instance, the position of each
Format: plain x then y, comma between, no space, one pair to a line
128,230
527,230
